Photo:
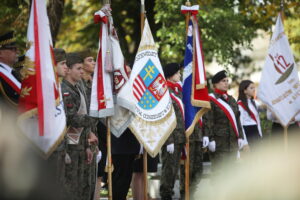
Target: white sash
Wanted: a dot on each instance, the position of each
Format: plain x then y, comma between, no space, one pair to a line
73,134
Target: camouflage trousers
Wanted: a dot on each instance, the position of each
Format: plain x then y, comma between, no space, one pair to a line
77,175
169,171
196,167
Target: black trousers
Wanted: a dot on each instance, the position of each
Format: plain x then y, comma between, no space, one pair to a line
252,135
122,174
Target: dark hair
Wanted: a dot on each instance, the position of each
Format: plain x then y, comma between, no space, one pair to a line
73,58
242,96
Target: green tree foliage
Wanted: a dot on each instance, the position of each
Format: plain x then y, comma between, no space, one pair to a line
226,26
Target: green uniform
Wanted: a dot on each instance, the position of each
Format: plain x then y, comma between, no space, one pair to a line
171,162
77,180
218,128
91,170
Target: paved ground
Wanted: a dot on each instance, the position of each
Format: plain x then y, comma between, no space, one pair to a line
153,183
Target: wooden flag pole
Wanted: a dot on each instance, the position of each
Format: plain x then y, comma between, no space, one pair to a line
109,162
187,160
145,162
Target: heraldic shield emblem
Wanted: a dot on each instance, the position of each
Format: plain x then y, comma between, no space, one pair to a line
149,86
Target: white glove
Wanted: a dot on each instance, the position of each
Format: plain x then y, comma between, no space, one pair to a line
170,148
205,141
141,149
212,146
240,143
99,156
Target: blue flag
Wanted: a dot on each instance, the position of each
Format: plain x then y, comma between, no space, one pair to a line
195,99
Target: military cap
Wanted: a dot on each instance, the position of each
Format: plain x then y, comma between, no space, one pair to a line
59,54
170,69
219,76
73,58
7,40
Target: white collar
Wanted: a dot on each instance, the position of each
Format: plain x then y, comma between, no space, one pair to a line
6,67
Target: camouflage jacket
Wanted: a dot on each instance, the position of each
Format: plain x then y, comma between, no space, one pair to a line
71,97
178,135
217,126
196,136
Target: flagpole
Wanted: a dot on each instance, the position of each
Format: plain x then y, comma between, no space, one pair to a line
187,160
108,141
145,162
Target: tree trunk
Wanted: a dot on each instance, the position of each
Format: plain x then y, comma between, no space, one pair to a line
55,10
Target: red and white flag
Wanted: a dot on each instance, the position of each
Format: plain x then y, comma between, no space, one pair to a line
279,86
111,89
42,119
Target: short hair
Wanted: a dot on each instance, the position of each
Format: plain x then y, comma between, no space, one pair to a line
73,58
59,54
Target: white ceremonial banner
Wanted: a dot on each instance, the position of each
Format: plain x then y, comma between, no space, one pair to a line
155,118
42,119
279,86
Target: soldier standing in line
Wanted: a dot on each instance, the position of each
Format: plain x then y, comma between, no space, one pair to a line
171,150
86,84
79,135
221,124
58,159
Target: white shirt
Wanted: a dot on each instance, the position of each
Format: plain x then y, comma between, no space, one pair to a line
246,119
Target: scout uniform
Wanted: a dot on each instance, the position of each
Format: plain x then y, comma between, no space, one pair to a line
171,162
77,177
219,128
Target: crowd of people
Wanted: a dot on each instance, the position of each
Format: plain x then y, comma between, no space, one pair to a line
79,160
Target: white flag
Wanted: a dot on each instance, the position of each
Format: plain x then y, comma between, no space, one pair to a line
279,86
114,96
155,118
43,117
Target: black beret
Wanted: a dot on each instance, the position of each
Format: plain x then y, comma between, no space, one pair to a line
219,76
171,69
59,54
73,58
7,40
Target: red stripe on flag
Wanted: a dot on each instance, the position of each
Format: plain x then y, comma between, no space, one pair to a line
38,72
141,83
100,83
137,91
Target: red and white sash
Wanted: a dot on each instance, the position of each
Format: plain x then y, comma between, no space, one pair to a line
228,112
178,102
253,116
6,75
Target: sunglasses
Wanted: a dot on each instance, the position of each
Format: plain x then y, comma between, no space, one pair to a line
12,48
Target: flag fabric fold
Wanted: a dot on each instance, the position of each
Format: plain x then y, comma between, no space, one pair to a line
42,119
195,93
155,118
279,86
111,86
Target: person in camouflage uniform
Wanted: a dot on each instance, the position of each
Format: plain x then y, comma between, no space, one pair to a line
224,142
79,136
195,160
86,84
56,160
171,150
